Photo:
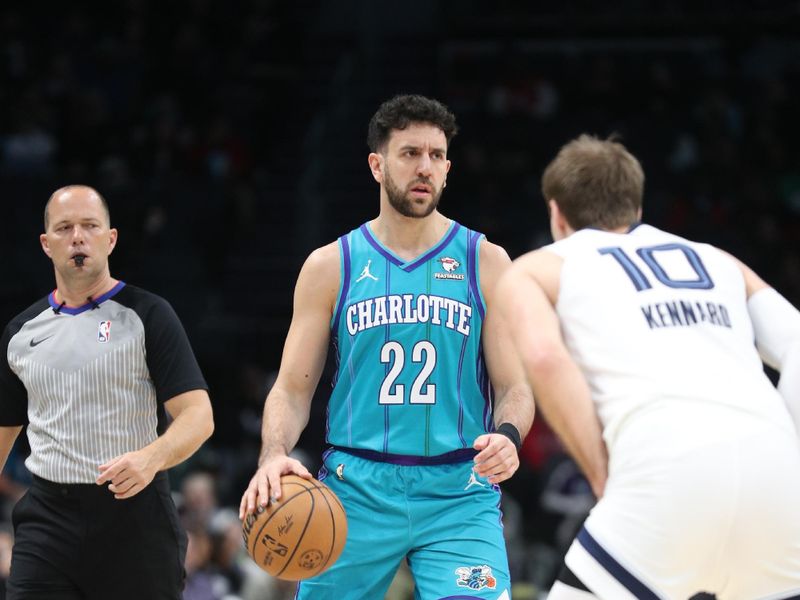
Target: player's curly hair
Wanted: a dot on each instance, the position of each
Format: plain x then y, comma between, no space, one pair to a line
401,111
596,183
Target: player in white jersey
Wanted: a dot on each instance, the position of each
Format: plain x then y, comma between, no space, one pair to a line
640,349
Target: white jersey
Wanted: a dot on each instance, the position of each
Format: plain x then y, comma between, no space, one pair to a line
650,316
703,491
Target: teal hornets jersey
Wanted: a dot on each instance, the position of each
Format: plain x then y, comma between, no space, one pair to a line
411,380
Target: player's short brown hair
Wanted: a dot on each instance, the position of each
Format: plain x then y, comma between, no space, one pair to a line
596,183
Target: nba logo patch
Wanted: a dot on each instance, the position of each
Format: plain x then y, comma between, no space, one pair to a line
104,332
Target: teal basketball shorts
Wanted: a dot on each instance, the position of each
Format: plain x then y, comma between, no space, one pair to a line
444,519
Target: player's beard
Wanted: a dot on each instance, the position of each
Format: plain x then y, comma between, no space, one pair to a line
406,206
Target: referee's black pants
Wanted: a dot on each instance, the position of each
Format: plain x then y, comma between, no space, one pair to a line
77,542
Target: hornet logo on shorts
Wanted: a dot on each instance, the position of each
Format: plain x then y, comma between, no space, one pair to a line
104,332
476,578
449,265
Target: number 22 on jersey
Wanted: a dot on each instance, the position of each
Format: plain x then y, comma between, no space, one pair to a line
423,361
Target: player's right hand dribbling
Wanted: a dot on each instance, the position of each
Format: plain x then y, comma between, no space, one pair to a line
265,485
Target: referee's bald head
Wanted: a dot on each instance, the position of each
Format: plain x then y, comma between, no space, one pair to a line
70,190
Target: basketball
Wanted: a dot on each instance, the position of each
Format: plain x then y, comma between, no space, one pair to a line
300,535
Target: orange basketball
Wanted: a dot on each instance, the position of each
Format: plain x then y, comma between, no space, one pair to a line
300,535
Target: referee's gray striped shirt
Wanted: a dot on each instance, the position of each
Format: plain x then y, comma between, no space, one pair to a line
95,379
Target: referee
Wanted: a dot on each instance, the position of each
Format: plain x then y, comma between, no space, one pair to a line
93,369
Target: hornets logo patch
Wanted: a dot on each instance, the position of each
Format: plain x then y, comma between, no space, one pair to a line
475,578
449,266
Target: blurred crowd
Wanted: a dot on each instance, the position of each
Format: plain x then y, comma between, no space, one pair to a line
229,142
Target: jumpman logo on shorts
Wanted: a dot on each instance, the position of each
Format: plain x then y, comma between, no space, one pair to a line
365,273
473,481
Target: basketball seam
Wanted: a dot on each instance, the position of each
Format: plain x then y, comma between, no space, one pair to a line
333,523
303,533
284,502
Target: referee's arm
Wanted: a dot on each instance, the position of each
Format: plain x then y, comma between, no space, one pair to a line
8,435
13,398
192,424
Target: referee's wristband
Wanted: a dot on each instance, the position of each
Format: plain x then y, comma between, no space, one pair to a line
511,432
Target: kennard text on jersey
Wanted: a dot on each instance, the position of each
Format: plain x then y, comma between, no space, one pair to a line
683,313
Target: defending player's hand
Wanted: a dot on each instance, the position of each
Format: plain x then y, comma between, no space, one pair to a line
129,473
497,457
266,483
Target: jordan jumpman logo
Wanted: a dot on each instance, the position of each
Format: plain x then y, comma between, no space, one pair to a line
365,273
473,481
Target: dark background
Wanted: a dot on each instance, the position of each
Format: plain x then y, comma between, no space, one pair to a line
229,141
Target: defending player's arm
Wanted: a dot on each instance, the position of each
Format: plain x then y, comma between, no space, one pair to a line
498,457
527,294
288,404
776,325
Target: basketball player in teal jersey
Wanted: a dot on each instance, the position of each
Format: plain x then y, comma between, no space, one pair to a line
418,440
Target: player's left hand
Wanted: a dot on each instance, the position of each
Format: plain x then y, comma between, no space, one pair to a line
497,458
128,473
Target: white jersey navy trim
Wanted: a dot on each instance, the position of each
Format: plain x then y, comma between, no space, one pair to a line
610,564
